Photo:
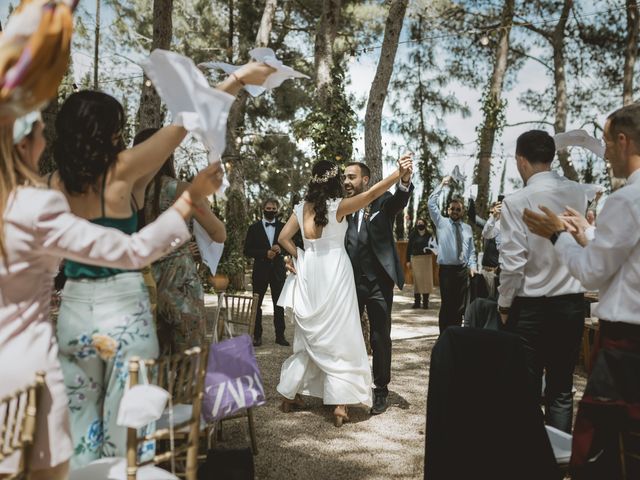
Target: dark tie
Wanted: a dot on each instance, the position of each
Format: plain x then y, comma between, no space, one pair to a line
267,224
458,240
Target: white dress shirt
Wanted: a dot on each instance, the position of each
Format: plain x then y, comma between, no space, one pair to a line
491,230
529,267
610,262
271,231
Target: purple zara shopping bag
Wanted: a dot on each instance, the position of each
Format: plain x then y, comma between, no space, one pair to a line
233,381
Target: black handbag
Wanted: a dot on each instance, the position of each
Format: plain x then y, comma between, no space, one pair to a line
236,464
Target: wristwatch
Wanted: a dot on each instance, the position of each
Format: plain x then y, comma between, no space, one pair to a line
503,310
554,236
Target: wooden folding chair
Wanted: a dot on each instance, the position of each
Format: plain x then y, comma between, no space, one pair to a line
237,317
18,423
182,375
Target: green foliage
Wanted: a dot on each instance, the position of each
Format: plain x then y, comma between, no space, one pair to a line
331,130
419,102
232,261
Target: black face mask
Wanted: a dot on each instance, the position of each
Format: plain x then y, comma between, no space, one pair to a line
421,227
269,215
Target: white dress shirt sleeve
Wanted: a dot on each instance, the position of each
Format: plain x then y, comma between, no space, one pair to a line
514,250
616,236
432,203
471,253
489,229
403,187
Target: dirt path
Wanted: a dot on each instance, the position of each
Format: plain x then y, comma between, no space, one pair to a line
305,444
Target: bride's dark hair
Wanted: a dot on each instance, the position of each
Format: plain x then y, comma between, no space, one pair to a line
325,184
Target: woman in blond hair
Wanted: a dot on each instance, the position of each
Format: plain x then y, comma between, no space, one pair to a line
37,229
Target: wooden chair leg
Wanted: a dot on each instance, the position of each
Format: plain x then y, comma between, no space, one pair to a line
623,463
252,431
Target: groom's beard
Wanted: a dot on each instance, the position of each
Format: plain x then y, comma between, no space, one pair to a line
350,190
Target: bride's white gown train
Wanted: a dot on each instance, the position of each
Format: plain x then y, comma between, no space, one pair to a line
329,358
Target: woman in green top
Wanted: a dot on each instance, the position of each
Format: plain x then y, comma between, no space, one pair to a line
105,316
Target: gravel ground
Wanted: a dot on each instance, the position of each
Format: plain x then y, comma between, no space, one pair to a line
306,445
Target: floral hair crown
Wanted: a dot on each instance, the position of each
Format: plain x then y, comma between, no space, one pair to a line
326,176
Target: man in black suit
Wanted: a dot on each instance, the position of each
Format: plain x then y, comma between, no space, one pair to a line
261,244
371,247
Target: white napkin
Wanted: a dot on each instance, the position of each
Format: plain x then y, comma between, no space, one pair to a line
579,138
471,192
199,108
285,300
457,176
590,190
210,251
265,55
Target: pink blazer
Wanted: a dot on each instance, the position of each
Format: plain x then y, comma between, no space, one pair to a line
40,230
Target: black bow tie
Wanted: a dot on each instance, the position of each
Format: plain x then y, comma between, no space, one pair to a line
267,224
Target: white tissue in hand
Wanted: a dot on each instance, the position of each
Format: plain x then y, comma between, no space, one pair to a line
457,176
471,192
210,251
265,55
199,108
590,190
579,138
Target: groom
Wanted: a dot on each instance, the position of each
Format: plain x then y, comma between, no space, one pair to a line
371,247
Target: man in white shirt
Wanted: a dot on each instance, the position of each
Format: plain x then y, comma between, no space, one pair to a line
541,300
606,259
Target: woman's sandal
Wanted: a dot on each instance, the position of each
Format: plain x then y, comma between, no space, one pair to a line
287,405
340,416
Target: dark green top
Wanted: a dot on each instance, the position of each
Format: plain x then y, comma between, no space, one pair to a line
126,225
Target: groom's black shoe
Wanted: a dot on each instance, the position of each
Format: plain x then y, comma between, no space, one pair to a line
379,403
257,342
282,341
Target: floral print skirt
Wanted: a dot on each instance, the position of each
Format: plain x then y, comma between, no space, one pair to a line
102,324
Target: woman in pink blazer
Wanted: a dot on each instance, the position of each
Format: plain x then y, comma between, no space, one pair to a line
37,229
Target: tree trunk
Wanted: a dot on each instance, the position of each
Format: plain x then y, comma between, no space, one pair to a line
96,47
560,80
150,111
492,109
379,87
236,208
325,38
630,51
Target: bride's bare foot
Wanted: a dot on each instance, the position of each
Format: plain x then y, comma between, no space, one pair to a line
288,405
340,415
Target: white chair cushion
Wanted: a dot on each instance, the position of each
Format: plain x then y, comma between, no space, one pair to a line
181,413
561,444
115,468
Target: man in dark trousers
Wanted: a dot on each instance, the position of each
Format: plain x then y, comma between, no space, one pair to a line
371,247
261,244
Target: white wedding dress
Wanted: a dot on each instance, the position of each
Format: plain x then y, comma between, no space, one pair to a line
329,358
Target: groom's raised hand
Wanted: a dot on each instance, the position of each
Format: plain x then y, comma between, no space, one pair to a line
405,167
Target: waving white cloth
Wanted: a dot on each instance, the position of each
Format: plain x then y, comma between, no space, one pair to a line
210,251
268,56
199,108
579,138
590,190
457,175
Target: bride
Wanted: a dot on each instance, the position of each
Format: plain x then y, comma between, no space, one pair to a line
329,358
